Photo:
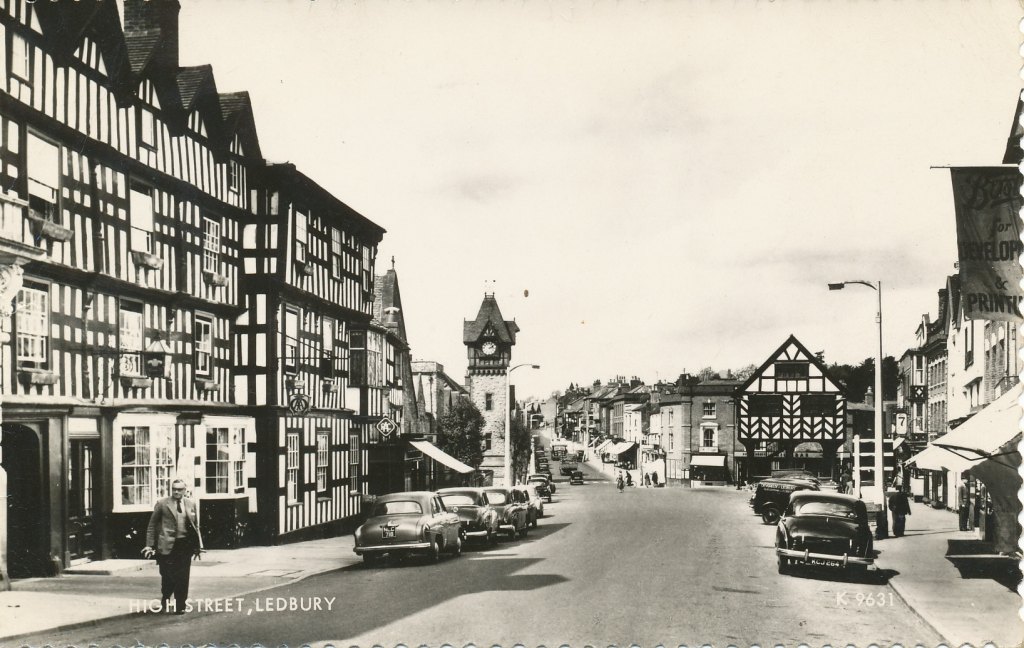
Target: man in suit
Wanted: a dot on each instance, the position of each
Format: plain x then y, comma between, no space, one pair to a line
173,537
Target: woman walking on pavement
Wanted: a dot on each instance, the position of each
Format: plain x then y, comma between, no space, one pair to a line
619,483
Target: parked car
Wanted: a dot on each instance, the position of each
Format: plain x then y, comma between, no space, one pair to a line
824,530
512,509
478,517
576,478
545,477
534,501
416,522
771,497
543,487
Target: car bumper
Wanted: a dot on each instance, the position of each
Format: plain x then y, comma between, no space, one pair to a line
404,546
820,559
475,533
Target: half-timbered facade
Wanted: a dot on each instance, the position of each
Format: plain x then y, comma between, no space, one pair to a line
129,175
311,366
790,401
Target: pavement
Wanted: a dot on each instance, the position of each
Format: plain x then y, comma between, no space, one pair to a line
100,590
956,583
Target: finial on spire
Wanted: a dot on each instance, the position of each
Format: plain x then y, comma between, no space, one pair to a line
392,261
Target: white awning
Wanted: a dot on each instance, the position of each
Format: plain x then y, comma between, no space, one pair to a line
620,447
986,432
440,456
601,447
707,460
935,458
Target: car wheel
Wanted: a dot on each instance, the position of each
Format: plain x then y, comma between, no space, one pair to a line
492,537
783,565
434,553
549,499
524,531
458,546
770,515
371,560
535,522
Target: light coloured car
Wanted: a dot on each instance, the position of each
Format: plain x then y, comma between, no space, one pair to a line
416,522
478,517
513,509
534,500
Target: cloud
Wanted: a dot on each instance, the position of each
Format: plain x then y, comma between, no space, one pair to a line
483,188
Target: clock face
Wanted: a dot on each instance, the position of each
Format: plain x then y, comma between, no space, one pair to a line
489,348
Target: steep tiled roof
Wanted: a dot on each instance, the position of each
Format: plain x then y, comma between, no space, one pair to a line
489,314
141,46
190,81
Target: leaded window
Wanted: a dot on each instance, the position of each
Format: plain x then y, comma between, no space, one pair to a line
32,322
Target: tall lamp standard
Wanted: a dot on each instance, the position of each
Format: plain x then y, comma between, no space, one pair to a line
508,421
878,485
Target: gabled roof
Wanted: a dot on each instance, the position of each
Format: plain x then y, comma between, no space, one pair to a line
793,349
489,321
387,297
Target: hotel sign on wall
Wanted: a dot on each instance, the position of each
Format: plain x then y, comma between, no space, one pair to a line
987,201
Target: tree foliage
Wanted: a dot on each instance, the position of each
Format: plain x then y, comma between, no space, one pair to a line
521,441
460,432
858,378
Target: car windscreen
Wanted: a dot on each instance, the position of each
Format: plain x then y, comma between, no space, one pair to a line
823,507
397,507
456,499
497,498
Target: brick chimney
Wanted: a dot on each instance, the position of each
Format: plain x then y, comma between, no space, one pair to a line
869,397
144,17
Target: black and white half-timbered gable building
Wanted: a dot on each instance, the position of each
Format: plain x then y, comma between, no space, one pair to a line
313,366
127,177
791,413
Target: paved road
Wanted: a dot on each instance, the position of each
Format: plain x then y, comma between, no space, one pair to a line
647,566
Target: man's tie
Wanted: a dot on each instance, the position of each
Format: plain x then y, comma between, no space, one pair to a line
179,506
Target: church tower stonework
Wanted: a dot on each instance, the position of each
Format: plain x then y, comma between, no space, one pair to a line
489,340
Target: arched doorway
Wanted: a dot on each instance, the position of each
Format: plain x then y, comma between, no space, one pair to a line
26,514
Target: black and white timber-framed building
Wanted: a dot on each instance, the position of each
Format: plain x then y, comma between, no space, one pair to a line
171,294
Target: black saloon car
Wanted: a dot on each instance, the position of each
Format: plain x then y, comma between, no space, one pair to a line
771,497
823,529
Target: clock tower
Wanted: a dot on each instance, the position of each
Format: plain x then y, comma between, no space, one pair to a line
489,340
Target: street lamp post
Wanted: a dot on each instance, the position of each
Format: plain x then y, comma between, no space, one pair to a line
878,486
508,420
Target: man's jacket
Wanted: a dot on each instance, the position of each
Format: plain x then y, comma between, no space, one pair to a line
163,525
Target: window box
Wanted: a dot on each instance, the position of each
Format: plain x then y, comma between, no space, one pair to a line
39,376
45,228
135,382
214,278
147,260
207,385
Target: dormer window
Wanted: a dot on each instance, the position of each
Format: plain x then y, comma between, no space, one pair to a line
234,170
21,62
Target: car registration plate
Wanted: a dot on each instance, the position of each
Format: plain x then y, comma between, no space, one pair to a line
389,532
822,562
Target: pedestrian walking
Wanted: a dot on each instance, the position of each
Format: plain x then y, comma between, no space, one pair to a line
963,500
899,504
619,482
629,479
647,480
173,537
654,479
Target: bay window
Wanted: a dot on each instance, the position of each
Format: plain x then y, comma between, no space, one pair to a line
32,323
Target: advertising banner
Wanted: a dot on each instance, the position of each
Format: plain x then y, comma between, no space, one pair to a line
988,202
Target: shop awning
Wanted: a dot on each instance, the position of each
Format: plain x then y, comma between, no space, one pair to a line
935,458
602,447
707,460
986,432
440,456
620,447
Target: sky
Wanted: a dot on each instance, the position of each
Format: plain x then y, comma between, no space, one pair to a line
648,187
